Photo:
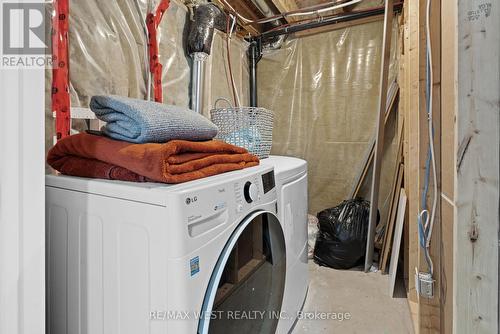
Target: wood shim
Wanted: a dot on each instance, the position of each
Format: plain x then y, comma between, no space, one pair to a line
397,241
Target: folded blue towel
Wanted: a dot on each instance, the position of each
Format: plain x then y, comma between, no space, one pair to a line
140,121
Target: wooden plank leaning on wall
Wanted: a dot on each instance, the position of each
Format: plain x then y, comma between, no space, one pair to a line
426,312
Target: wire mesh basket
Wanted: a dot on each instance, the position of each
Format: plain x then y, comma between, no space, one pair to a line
247,127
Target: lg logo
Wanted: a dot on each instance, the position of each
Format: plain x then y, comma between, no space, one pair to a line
190,200
23,29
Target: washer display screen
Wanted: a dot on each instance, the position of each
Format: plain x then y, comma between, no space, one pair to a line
268,181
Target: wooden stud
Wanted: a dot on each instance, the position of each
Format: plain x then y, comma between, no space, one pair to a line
415,150
448,130
476,242
410,89
449,94
430,309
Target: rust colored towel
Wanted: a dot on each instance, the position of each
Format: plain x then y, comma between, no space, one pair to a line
177,161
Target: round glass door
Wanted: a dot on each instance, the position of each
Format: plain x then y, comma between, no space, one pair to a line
246,288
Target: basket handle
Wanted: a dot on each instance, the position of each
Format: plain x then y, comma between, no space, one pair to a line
222,99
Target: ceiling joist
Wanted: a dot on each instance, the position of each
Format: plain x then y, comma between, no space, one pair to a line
285,6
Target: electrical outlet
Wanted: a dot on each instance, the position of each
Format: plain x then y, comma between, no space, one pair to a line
424,284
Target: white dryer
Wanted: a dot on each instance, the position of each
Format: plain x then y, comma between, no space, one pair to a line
206,256
291,185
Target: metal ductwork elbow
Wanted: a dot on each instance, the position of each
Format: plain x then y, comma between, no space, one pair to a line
206,18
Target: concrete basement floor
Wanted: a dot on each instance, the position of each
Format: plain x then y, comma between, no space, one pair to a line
363,295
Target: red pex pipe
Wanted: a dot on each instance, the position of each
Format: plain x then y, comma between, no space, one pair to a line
60,68
152,22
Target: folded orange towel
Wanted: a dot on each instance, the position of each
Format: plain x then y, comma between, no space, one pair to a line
177,161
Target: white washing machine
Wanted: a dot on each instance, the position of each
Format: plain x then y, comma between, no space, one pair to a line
206,256
291,185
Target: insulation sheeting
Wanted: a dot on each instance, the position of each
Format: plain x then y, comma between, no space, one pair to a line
217,72
108,52
324,90
108,56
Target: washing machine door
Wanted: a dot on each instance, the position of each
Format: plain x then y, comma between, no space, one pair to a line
246,288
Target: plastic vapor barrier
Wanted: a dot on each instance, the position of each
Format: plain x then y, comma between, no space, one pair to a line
217,71
324,90
108,56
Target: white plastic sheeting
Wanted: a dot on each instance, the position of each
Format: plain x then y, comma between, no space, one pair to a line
324,90
108,56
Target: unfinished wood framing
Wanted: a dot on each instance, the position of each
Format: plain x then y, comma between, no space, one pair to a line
475,283
430,308
286,6
415,148
247,9
448,107
410,101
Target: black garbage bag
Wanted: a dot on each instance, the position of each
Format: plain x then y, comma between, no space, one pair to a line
341,240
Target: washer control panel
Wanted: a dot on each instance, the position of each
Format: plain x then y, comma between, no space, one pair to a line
236,194
252,190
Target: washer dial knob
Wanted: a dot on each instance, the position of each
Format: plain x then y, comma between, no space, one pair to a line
250,191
